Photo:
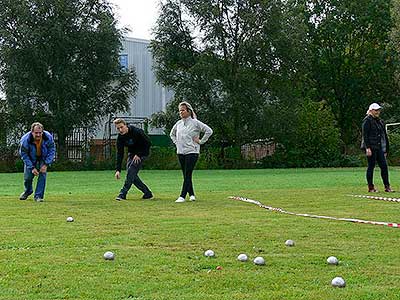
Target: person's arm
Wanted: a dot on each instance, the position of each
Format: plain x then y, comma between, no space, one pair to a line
24,152
366,127
206,130
51,151
120,154
172,134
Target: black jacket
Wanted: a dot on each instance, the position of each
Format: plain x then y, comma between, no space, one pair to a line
372,131
136,140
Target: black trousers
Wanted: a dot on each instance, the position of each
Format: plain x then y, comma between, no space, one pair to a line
187,162
132,177
377,156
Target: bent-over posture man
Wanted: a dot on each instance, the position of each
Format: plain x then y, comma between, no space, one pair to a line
37,150
138,145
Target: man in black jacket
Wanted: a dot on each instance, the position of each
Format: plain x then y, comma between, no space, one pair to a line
376,146
138,145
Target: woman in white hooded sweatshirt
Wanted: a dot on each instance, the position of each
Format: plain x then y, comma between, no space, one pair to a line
186,136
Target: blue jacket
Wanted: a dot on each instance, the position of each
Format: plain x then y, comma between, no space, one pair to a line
27,149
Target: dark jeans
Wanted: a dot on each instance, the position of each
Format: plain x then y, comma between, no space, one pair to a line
187,162
377,156
132,177
41,182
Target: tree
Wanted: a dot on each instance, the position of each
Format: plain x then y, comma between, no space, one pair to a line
352,61
59,63
394,46
231,59
3,121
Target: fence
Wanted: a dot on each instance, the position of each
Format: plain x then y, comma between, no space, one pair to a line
77,144
258,149
104,149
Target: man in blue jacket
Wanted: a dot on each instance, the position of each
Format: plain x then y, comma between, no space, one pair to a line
37,150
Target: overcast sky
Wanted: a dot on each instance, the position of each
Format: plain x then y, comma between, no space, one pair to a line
138,15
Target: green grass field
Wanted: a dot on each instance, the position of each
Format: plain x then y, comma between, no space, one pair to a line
159,244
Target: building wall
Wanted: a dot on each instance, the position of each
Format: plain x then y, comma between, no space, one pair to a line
151,97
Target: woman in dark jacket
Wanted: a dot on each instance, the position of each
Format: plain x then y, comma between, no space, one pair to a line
376,146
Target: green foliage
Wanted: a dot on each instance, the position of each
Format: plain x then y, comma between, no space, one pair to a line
59,63
166,119
162,158
248,67
229,59
313,142
394,152
165,158
8,157
353,63
89,164
3,122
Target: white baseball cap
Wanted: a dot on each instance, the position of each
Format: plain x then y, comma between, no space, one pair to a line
374,106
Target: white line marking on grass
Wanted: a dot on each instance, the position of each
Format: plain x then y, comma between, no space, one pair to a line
258,203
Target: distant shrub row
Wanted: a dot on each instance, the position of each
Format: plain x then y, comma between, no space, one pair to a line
164,158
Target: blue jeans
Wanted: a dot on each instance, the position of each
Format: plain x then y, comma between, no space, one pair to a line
132,177
377,157
28,180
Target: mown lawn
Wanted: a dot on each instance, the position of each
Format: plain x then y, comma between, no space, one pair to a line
159,244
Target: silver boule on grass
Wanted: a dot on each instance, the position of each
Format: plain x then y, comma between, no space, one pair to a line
70,219
209,253
259,261
242,257
338,282
289,243
109,255
332,260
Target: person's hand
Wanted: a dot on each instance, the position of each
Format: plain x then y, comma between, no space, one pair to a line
385,154
43,169
368,152
136,159
196,139
117,175
35,172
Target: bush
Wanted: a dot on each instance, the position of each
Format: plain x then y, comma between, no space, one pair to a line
162,158
165,158
313,140
394,150
9,159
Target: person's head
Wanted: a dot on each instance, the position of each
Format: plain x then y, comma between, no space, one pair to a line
121,126
37,130
374,110
186,110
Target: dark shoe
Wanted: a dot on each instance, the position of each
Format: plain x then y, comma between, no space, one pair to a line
371,189
24,196
120,197
388,189
147,196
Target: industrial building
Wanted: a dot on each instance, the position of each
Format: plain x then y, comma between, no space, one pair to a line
151,97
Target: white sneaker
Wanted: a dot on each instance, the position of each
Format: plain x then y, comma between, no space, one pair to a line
192,198
180,200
